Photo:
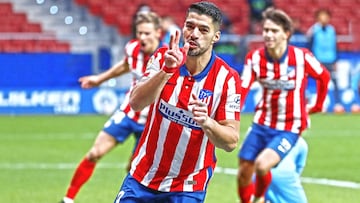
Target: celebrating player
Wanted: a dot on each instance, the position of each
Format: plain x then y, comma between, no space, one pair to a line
195,107
281,115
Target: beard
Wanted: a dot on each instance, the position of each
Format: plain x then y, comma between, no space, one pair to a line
197,52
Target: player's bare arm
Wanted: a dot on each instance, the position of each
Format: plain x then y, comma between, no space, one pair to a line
116,70
223,134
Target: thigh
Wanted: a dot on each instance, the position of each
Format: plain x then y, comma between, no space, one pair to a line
283,142
253,144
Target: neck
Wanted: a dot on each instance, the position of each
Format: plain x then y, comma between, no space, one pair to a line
196,64
278,52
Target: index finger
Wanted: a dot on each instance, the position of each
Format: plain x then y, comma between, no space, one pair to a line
174,40
171,41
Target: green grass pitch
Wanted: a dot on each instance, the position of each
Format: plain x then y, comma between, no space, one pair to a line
39,155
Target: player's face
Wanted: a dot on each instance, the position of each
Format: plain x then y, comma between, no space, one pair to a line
200,33
148,36
323,18
274,35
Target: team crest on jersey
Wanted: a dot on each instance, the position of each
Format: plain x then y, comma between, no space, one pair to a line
205,95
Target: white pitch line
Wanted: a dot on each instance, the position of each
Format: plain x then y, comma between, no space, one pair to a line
227,171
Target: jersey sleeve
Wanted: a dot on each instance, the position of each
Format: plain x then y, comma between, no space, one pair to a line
233,98
247,78
154,64
322,76
229,107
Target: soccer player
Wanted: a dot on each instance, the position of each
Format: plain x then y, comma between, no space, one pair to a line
281,114
286,185
125,121
194,99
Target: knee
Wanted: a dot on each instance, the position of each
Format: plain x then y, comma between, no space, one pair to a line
94,155
261,167
244,176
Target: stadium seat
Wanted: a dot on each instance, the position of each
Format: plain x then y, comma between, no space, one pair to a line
5,8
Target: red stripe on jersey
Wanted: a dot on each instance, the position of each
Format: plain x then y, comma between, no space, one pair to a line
263,74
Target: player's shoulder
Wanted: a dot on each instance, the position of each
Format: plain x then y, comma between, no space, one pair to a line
259,52
221,63
302,49
133,42
132,45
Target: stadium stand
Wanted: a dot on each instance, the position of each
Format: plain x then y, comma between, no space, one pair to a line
344,18
111,20
18,34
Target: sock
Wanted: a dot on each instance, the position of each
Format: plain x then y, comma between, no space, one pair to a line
262,183
82,174
246,192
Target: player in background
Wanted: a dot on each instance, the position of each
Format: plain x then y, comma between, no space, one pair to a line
124,121
194,99
281,114
286,186
323,44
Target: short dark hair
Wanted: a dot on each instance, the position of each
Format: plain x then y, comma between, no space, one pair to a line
148,17
207,8
279,17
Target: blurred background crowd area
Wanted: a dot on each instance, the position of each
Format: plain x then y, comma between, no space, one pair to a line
51,43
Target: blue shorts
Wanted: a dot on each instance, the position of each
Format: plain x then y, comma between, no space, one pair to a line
133,192
260,137
120,126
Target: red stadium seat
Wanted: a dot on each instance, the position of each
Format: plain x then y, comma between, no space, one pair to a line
31,27
5,8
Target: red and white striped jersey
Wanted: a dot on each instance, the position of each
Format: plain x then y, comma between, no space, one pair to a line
173,153
283,103
137,61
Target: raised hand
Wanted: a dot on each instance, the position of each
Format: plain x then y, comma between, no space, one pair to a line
175,56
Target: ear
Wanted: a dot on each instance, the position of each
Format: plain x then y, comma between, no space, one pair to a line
216,37
159,33
288,34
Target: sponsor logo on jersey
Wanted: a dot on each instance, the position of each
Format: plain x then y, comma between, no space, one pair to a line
234,103
278,84
178,115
